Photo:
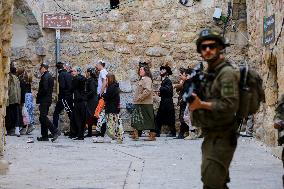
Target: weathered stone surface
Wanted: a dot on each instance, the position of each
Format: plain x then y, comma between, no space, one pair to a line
125,86
131,39
19,53
34,31
122,49
169,37
72,50
40,47
109,46
125,98
157,51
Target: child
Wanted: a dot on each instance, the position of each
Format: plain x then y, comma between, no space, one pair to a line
26,100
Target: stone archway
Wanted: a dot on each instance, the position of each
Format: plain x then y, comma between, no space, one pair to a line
32,35
27,42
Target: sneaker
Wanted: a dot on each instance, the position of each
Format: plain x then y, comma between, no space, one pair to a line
30,129
98,140
55,136
42,139
17,132
50,135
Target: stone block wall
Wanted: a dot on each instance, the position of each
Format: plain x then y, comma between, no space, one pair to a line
158,32
269,63
6,13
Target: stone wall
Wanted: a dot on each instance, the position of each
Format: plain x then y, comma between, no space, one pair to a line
269,63
6,12
158,32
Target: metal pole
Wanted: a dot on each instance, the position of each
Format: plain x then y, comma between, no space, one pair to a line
57,57
57,51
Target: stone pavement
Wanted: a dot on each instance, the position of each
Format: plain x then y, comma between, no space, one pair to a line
164,164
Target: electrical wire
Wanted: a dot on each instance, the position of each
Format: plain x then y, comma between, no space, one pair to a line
97,13
278,37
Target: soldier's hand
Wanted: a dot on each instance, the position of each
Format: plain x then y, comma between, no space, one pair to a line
196,104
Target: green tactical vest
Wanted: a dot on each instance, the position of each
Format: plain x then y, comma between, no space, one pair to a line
214,120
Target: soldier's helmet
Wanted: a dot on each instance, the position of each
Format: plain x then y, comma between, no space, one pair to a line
208,34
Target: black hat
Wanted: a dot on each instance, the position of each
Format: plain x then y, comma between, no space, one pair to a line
45,65
142,64
167,68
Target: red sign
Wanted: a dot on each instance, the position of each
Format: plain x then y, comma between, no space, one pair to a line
57,21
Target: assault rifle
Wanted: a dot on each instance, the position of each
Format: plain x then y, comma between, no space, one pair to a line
195,81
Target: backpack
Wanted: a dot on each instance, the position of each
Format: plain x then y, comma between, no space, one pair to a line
251,92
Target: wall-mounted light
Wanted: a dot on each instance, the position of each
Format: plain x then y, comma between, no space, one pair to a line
217,14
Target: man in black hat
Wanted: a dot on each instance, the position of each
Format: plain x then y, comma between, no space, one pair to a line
166,111
44,99
64,95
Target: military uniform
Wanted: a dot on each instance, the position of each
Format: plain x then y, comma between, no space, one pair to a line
219,126
279,118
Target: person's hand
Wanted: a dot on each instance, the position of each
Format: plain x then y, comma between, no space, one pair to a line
196,104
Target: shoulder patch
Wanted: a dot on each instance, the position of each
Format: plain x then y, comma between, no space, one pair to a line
228,89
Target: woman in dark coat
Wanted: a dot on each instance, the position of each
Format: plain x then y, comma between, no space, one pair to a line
92,98
166,111
80,101
112,109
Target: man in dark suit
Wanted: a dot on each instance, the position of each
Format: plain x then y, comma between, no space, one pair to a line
44,99
64,96
166,111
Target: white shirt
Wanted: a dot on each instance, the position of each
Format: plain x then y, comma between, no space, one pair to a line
102,76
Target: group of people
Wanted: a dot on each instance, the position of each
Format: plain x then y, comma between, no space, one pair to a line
79,95
94,99
19,117
143,117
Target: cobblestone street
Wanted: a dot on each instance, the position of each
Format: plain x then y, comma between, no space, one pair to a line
166,163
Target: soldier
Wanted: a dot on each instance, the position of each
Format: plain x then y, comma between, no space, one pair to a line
279,124
215,114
